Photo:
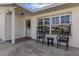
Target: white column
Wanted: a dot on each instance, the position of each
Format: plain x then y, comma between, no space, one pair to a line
50,25
4,14
13,26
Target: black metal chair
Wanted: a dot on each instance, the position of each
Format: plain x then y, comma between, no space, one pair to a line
63,38
40,36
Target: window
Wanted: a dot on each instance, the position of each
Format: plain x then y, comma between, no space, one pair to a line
28,24
55,20
40,21
52,27
47,27
65,19
43,25
47,21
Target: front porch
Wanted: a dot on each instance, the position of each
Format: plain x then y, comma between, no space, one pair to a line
15,24
30,48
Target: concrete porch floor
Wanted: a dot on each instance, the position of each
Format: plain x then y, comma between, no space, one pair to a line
30,48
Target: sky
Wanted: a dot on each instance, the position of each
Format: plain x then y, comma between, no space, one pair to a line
35,5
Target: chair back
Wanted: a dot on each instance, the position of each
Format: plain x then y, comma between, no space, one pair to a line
63,37
41,34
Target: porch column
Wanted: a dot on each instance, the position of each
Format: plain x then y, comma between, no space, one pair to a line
4,14
13,26
50,25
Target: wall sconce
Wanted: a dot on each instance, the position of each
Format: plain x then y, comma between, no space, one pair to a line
22,13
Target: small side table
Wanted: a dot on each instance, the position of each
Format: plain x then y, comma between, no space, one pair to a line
50,41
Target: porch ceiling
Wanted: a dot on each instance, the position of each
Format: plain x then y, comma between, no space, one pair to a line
22,11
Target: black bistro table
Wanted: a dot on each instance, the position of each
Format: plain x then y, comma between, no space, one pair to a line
50,40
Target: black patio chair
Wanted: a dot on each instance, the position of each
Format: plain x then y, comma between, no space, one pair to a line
40,36
63,38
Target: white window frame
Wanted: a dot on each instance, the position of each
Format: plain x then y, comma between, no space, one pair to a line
65,15
59,15
55,16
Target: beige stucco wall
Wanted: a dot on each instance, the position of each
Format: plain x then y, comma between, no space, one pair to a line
2,22
75,28
74,40
19,27
8,26
2,26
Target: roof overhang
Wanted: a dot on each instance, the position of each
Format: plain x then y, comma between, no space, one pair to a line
50,8
35,10
40,9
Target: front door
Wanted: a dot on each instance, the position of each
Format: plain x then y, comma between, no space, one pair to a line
28,28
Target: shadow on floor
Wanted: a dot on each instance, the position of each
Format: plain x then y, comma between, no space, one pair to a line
19,40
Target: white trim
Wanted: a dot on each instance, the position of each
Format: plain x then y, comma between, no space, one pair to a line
50,25
5,3
4,26
13,26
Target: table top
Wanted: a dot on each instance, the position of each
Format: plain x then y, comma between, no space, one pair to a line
50,38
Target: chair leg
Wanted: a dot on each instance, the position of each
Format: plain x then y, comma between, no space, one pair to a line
37,40
52,42
66,46
48,42
57,44
42,41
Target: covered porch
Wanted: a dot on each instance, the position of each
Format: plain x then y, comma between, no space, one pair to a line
15,24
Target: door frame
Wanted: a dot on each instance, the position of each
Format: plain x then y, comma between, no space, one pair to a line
28,27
